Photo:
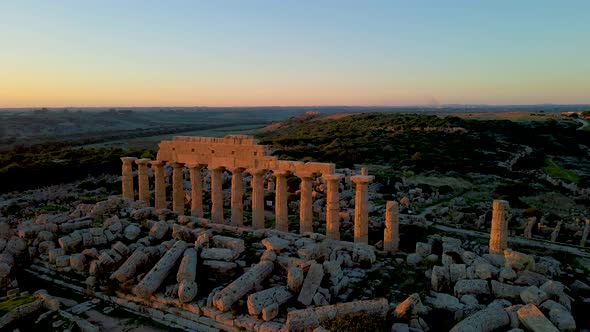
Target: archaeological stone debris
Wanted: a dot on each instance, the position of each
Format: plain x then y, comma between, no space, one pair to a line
217,234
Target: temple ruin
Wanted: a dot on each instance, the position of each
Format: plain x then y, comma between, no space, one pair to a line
240,154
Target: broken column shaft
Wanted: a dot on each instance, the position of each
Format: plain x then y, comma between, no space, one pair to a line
143,180
391,232
153,279
499,231
127,178
159,184
361,207
332,206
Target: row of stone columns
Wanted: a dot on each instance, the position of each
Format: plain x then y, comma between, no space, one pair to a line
237,215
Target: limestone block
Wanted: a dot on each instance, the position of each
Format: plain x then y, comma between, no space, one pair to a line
154,278
77,262
128,269
62,261
519,261
159,230
295,279
457,272
311,283
54,253
131,232
423,249
531,317
219,267
270,312
445,301
188,266
440,278
237,245
258,301
219,254
187,290
559,315
105,260
275,243
68,244
534,295
241,286
506,291
121,248
473,287
485,271
492,318
311,318
87,240
410,307
268,255
45,246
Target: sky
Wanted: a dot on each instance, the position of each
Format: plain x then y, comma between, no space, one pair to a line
293,53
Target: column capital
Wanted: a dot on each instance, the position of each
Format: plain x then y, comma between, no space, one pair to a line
142,161
362,179
128,160
333,177
175,164
215,167
237,169
280,173
304,175
157,163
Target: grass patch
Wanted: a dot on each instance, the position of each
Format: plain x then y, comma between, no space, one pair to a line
14,302
557,171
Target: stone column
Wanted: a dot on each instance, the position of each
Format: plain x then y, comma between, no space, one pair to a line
281,208
143,180
332,205
177,187
585,233
499,231
258,198
237,199
159,184
196,190
361,207
391,236
216,195
305,204
127,178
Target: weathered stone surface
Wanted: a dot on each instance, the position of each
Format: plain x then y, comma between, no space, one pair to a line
188,266
218,254
440,278
499,230
150,283
444,301
62,261
235,244
311,318
311,283
241,286
474,287
410,307
457,272
506,291
77,262
131,232
295,279
423,249
275,243
159,230
518,261
121,248
187,290
531,317
534,295
276,295
487,320
559,315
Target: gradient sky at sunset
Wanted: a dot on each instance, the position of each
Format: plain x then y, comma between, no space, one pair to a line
256,53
